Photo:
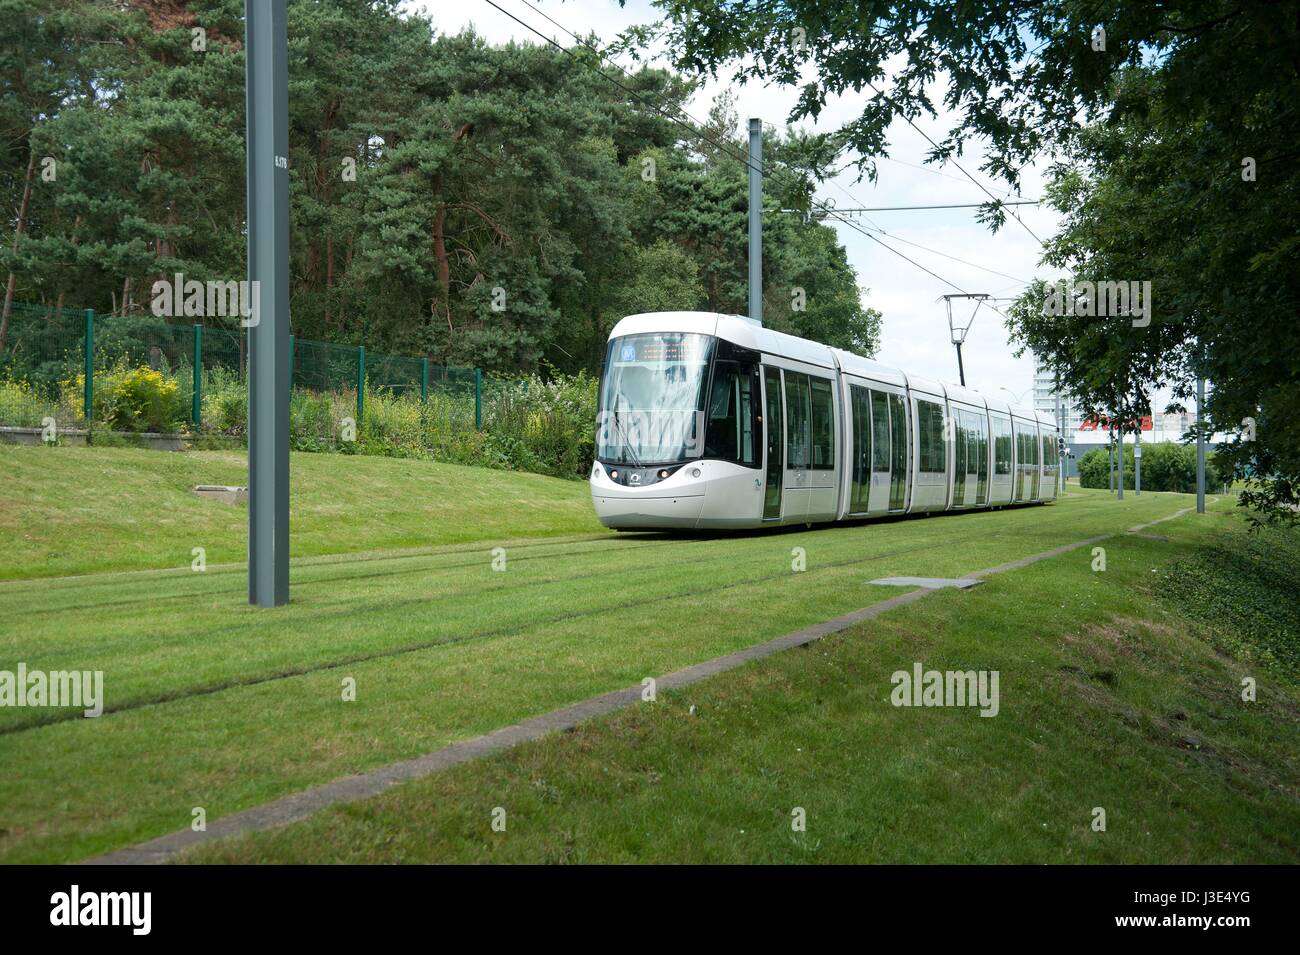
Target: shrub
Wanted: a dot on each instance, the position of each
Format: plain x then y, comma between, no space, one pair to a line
312,424
225,402
21,406
1166,466
541,424
553,419
135,399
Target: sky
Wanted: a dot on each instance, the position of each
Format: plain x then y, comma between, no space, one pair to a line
914,332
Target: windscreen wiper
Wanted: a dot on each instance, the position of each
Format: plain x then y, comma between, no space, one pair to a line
627,442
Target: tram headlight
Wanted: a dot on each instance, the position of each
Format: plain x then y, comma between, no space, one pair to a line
614,474
695,472
663,474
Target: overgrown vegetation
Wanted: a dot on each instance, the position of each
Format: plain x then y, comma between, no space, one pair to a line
529,424
533,423
1242,588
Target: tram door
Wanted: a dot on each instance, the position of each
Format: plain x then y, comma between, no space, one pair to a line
860,408
1035,462
774,427
900,457
961,457
796,486
882,438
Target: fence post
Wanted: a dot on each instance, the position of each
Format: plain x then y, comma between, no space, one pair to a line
196,413
424,381
361,383
478,399
290,367
89,390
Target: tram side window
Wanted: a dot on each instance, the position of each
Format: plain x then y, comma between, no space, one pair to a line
823,425
798,415
880,432
930,433
1001,446
1027,450
731,434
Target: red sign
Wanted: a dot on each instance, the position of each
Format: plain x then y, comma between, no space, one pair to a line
1104,423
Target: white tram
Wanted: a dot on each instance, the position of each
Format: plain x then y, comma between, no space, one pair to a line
713,421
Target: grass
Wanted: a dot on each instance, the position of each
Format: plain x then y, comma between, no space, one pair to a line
90,510
211,703
1110,699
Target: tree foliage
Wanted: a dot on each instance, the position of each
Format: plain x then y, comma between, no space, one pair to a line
478,204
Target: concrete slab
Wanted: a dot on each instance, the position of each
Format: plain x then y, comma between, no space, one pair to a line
929,583
225,493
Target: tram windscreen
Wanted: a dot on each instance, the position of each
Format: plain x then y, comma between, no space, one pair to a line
652,398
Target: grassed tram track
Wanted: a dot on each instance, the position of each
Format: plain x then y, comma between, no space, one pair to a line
225,706
501,586
63,716
496,583
40,603
39,589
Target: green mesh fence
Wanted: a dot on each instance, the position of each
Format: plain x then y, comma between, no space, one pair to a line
143,362
393,375
324,367
42,359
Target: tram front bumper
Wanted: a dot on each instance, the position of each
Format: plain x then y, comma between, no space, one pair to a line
644,510
675,502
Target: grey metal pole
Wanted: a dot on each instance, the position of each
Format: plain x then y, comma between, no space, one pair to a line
756,219
1137,460
1060,457
266,51
1119,462
1110,456
1200,445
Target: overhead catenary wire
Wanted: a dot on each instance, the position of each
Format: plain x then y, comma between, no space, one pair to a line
907,119
725,148
743,157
